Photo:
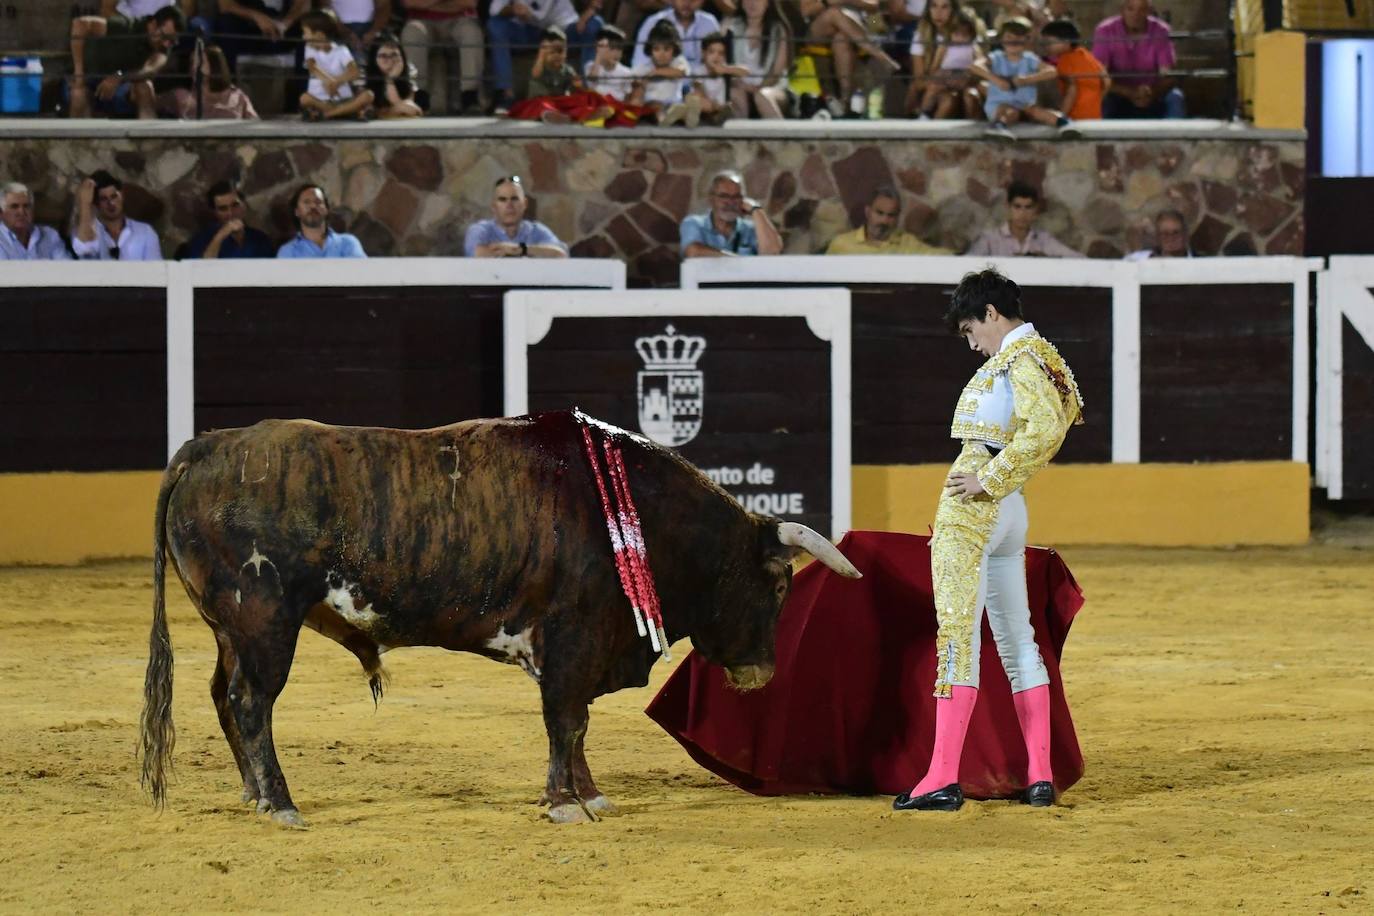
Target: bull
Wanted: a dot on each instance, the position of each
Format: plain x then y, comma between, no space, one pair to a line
484,536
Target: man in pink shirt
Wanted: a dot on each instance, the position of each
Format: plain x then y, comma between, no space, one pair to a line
1136,50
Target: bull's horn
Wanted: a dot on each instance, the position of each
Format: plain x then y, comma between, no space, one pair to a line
800,536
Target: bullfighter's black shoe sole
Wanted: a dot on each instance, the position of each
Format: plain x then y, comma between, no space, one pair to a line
1038,795
950,798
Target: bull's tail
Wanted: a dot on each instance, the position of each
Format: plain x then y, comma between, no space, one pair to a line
157,735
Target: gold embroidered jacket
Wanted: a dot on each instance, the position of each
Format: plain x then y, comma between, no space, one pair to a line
1045,403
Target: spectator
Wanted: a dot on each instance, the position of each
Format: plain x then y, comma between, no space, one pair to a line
709,95
688,20
258,27
111,64
762,43
220,98
314,238
606,74
841,25
514,23
332,72
1171,238
734,225
664,75
551,73
391,80
879,233
103,232
508,234
137,9
363,21
1082,78
1011,74
20,239
1018,237
455,25
1136,50
947,89
930,35
229,236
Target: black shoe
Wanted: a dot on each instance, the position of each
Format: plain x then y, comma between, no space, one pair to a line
1038,795
950,798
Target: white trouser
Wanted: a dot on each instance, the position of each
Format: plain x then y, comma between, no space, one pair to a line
1002,588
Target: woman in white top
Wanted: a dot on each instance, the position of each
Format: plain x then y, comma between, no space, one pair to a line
932,31
762,43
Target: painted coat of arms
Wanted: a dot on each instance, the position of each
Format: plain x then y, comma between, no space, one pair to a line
671,387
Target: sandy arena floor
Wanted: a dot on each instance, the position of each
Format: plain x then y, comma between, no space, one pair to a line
1224,700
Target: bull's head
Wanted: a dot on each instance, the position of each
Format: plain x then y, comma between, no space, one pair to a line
741,635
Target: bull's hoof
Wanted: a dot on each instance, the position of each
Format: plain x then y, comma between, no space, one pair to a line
264,806
571,813
602,806
288,817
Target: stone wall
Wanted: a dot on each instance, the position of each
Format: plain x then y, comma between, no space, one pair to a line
622,195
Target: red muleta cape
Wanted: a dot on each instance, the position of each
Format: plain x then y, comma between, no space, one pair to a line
850,709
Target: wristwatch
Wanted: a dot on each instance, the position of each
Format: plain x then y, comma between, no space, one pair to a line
524,250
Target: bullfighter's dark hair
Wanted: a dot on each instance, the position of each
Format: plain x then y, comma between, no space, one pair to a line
1023,189
977,291
220,188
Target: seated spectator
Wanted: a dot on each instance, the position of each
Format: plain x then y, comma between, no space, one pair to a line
1136,50
606,74
931,33
513,23
1082,78
314,238
664,74
103,232
20,239
690,24
946,89
220,99
258,27
362,21
762,43
1171,238
229,236
710,80
1018,237
508,234
455,25
332,72
551,73
391,80
733,226
840,24
1011,74
114,62
879,233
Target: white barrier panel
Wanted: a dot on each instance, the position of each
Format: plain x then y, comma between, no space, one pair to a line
1343,297
738,387
181,279
1124,279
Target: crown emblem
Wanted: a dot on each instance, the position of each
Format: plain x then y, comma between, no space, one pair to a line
670,351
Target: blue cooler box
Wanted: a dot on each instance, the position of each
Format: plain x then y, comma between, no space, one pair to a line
21,84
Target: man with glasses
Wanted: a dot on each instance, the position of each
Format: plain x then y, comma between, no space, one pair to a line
230,236
114,62
20,239
508,234
1171,238
734,226
103,232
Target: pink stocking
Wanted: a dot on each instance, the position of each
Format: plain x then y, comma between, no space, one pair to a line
951,725
1033,712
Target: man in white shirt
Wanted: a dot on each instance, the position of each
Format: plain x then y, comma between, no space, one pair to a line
522,23
103,232
692,26
20,239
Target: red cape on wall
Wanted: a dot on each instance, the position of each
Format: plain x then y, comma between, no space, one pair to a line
850,708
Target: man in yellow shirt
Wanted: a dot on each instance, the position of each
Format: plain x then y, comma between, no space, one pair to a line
879,233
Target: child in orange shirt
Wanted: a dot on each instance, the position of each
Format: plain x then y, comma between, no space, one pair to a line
1083,80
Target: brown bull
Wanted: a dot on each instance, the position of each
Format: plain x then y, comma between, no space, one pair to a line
486,536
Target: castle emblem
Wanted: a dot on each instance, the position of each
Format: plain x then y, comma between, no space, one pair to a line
671,387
